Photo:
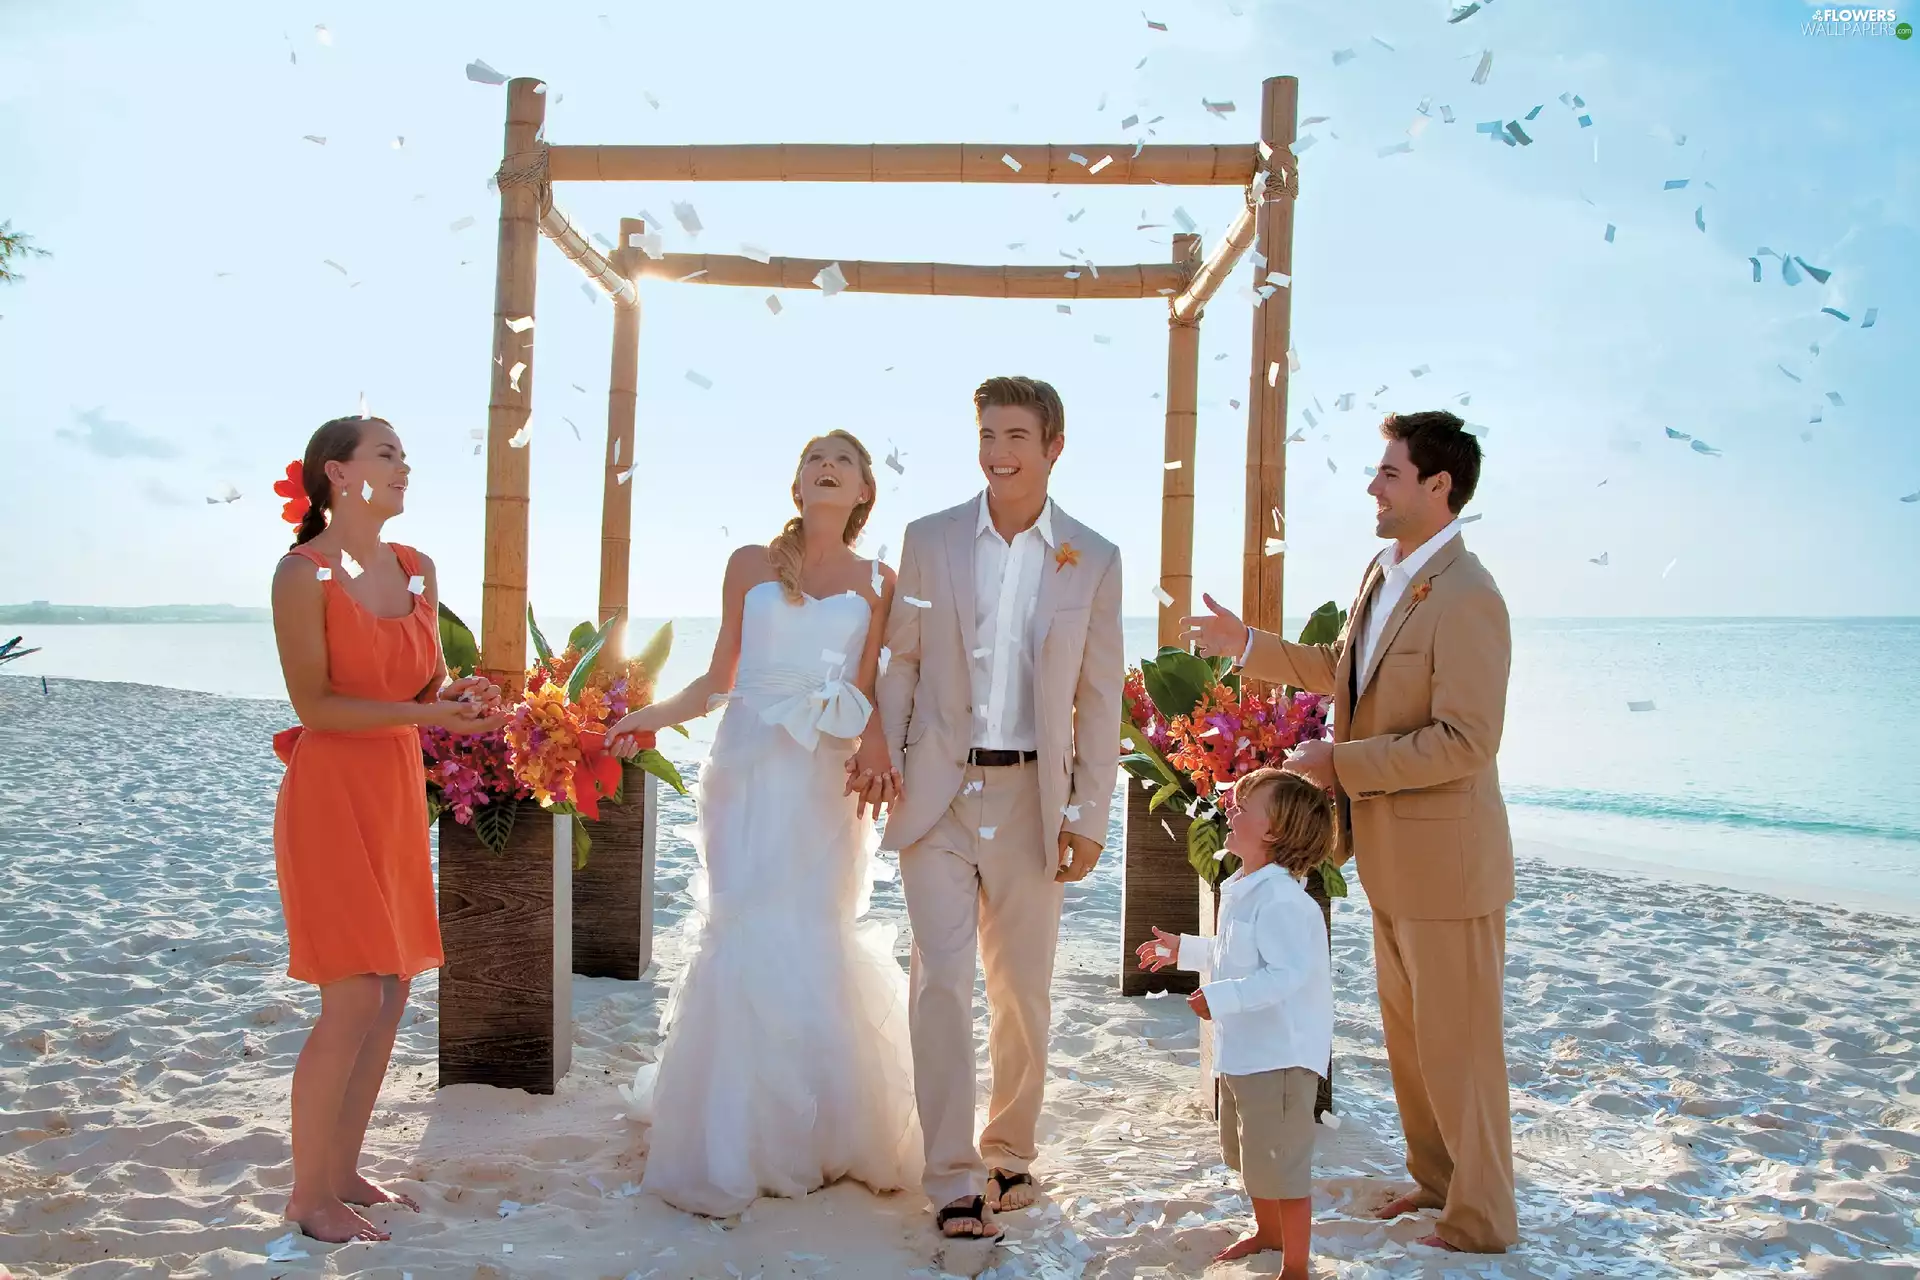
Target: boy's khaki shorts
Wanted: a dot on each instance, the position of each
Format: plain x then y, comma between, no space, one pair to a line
1266,1130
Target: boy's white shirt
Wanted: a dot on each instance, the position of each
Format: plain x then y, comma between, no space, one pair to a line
1266,976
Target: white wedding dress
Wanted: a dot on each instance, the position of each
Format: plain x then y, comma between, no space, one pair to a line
786,1063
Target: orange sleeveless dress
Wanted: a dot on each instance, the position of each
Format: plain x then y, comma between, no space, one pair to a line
350,827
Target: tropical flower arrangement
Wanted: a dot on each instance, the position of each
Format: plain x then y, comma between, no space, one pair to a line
553,747
1192,731
557,734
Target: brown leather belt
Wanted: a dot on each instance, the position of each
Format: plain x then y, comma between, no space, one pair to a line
994,759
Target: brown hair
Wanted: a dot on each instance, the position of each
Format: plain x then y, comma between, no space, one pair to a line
335,441
1030,393
1299,818
1438,441
788,548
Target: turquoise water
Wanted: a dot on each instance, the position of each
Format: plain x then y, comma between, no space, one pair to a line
1778,750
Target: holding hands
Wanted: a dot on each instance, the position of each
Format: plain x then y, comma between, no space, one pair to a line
871,775
470,704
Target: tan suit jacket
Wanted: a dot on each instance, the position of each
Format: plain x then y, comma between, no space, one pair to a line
926,692
1419,794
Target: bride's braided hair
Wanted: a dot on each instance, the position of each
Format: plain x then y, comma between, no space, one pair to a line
335,441
788,548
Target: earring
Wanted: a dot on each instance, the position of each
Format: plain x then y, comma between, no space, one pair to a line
343,493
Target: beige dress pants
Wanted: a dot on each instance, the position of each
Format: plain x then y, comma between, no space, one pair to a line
982,881
1441,998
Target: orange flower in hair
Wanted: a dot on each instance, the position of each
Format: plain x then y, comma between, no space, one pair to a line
294,490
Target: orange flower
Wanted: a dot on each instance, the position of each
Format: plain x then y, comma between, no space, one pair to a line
294,490
596,777
1420,592
1066,554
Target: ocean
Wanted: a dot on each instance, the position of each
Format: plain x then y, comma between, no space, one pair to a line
1778,754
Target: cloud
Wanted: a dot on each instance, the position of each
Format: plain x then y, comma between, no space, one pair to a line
111,439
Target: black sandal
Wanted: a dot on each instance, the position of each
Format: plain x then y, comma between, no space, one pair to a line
974,1210
1002,1182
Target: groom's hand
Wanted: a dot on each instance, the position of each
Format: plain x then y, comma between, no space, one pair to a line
1218,633
871,776
1078,857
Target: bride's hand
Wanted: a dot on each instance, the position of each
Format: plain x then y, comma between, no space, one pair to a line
478,690
633,733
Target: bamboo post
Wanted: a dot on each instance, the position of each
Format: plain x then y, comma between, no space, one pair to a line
616,500
503,584
1176,483
1261,574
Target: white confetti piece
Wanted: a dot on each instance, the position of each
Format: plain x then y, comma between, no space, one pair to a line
651,243
700,380
323,573
831,279
480,73
773,304
286,1249
886,659
1071,812
1218,108
1343,56
1640,706
417,584
1273,373
519,439
1470,519
986,833
1420,372
400,142
1332,466
1103,339
983,651
366,490
329,262
687,217
520,324
1481,72
1100,164
351,565
893,460
624,476
1912,497
1276,546
1868,319
460,224
973,788
506,1247
1008,160
917,602
1475,429
1330,1119
1293,360
1398,148
509,1207
1160,594
314,138
1175,465
755,252
1600,559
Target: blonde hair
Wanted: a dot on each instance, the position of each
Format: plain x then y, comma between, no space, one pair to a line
1299,818
788,548
1025,393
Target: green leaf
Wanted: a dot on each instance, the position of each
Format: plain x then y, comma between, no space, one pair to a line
653,656
581,636
1205,839
659,766
493,823
582,842
1325,625
681,730
577,682
1145,768
1332,880
457,644
434,806
1176,681
1133,736
1164,794
541,648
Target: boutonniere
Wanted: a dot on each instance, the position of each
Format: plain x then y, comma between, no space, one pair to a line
1422,591
1066,554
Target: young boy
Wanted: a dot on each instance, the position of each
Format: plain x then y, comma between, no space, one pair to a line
1269,993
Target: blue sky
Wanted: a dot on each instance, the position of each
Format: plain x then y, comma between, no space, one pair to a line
152,147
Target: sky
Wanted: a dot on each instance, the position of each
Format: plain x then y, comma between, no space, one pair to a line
187,334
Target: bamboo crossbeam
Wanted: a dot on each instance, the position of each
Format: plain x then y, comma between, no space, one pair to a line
944,279
557,227
1219,265
1173,166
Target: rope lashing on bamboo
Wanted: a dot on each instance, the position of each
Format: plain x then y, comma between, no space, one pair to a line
1282,182
518,170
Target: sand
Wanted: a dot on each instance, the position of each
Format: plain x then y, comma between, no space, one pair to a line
1703,1080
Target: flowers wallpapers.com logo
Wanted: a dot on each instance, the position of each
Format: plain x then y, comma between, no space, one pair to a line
1856,22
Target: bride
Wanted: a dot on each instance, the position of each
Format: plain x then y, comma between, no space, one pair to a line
786,1063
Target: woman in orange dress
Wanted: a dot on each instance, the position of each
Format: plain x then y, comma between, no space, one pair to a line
357,625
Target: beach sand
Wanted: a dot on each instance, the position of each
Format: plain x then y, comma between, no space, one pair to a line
1703,1080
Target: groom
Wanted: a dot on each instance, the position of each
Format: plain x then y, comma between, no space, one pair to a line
1001,707
1419,680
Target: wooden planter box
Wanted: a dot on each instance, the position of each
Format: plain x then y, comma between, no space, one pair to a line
1158,887
506,989
613,893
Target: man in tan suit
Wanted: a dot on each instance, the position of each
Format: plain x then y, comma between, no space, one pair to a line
1001,706
1419,680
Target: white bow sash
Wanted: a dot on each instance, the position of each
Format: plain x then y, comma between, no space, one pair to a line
811,707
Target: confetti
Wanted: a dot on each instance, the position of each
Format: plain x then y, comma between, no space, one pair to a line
651,243
1475,429
624,476
1071,812
1160,594
513,374
1518,134
400,142
323,573
1398,148
1103,339
1100,164
1677,435
699,380
285,1249
1674,184
1008,160
519,439
755,252
1276,547
1819,275
1151,24
1299,145
893,460
1790,373
1446,114
1867,321
1600,559
315,138
351,565
1462,12
1481,72
985,650
1343,56
688,219
366,490
1420,372
1640,706
480,73
1829,311
1669,569
1756,269
831,279
773,304
1331,466
917,602
460,224
986,833
1129,122
1701,446
1834,396
520,325
1470,519
1217,108
1700,217
1077,158
1610,230
321,33
329,262
886,657
1912,497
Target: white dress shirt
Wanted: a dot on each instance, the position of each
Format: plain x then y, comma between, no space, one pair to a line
1006,590
1266,976
1393,584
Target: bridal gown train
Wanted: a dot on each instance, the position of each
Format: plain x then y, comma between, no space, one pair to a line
786,1063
